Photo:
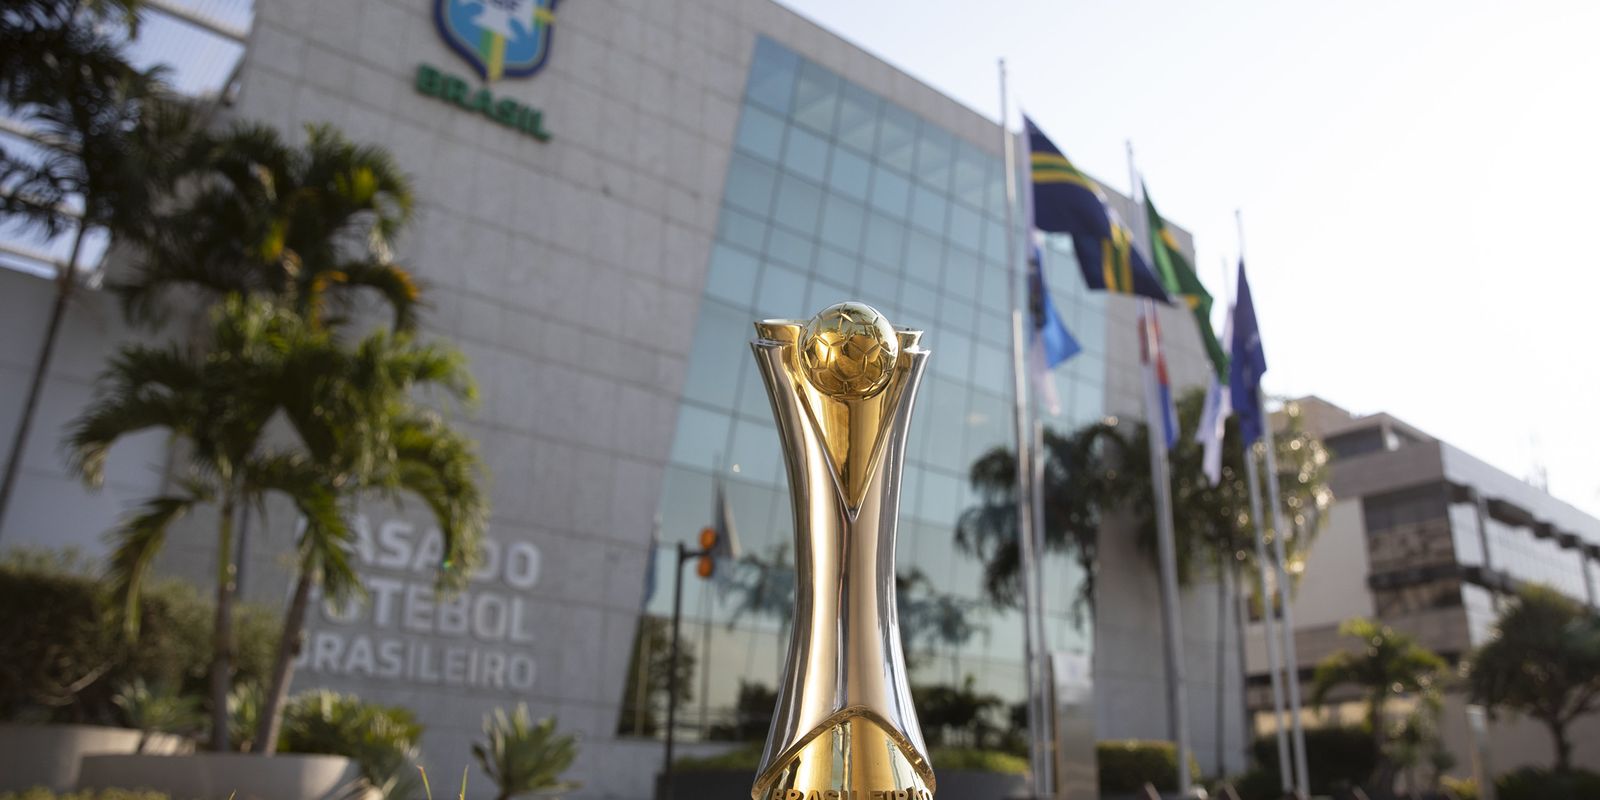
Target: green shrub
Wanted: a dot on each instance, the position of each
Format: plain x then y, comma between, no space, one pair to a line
41,793
1258,784
382,740
1126,765
1461,788
1533,783
974,760
67,657
1335,757
746,758
525,757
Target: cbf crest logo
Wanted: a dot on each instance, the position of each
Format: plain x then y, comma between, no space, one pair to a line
499,38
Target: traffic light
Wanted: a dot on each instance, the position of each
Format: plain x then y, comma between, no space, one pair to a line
707,565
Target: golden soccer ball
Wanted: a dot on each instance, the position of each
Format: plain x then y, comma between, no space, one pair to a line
849,350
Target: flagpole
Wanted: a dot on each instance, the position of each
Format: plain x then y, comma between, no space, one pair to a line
1291,662
1041,750
1172,624
1268,624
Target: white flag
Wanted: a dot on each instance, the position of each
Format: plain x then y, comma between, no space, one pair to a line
1214,416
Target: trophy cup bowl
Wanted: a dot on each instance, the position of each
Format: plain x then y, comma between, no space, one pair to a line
842,385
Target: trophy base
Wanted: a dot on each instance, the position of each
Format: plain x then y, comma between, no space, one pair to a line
850,757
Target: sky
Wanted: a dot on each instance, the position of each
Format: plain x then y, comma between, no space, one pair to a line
1416,181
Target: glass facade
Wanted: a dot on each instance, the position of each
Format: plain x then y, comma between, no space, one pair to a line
836,193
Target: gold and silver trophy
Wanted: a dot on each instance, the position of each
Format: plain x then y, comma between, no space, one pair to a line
842,386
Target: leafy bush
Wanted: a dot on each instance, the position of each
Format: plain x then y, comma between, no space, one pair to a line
1127,765
1335,757
382,740
157,711
1258,784
1460,788
1534,783
973,760
67,657
522,756
745,759
41,793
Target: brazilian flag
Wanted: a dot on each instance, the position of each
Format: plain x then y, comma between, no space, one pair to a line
1067,201
1177,275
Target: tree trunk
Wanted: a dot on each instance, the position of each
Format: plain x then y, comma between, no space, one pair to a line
65,283
1382,781
1558,731
289,645
222,633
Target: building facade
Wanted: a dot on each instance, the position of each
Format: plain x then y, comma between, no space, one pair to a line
1428,540
598,235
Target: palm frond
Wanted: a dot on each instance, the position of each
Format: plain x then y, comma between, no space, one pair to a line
135,544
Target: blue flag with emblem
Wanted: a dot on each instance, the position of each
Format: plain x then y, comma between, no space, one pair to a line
1066,201
1247,362
1050,343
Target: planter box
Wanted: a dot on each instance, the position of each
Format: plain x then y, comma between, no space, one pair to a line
953,783
216,776
47,755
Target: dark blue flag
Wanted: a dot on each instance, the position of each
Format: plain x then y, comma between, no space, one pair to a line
1067,201
1248,362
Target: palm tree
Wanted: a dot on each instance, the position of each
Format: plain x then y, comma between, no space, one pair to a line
1388,665
365,432
307,225
220,403
524,757
1079,484
107,143
1544,661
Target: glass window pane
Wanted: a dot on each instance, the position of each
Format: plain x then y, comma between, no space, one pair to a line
935,154
957,313
991,367
928,209
890,192
755,450
717,340
886,241
760,134
750,185
924,257
858,117
960,274
742,229
822,294
946,410
787,248
806,154
966,227
799,204
971,174
849,173
994,241
815,97
842,222
955,357
897,137
919,304
878,287
836,266
772,75
781,289
996,293
701,436
731,275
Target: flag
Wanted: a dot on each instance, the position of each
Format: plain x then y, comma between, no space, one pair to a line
1214,415
1158,390
650,562
1177,276
1247,363
1067,201
1050,343
726,550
